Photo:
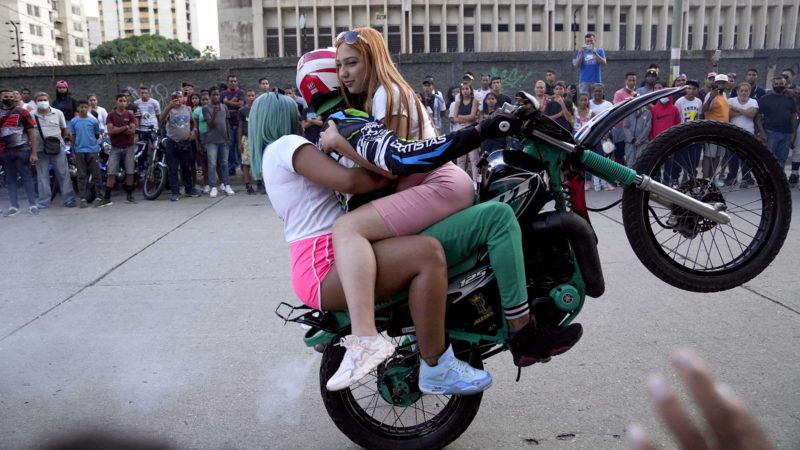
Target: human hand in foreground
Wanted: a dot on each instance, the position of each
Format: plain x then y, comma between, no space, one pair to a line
330,139
730,426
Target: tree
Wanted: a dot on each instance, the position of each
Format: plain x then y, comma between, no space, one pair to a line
146,46
208,53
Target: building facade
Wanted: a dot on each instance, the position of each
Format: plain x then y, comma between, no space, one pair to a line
48,32
125,18
256,28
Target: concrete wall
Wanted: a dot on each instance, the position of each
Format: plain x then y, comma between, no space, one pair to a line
518,70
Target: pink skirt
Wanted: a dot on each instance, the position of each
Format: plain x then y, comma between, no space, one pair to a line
424,199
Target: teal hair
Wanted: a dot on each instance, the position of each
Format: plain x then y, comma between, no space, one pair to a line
272,116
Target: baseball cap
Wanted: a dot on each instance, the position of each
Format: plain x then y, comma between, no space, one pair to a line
469,75
426,81
711,74
652,71
62,83
176,94
721,77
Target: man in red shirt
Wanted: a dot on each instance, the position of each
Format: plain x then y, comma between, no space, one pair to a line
617,134
665,114
17,139
121,130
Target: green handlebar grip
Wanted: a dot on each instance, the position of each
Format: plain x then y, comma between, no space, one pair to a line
607,169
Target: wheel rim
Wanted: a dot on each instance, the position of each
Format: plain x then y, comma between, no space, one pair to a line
153,179
701,246
412,414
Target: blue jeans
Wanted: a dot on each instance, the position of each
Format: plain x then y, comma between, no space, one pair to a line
234,158
779,144
61,169
217,154
18,163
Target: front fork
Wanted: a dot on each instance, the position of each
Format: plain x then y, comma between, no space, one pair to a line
661,193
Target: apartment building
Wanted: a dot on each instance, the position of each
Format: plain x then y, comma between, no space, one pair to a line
283,28
44,31
124,18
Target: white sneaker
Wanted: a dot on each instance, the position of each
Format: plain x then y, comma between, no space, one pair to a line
213,192
206,189
33,210
361,357
228,190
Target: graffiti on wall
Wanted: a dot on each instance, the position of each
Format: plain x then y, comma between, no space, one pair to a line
514,79
158,91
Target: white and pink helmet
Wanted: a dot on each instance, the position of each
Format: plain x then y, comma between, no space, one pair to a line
316,75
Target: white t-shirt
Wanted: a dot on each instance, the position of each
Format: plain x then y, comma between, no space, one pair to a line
690,110
150,111
306,208
379,112
102,115
743,121
597,109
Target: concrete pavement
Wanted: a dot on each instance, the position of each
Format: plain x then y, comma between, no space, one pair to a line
156,319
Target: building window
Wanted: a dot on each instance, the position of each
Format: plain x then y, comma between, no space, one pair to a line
33,29
607,27
325,34
653,36
590,28
77,26
486,28
78,42
503,28
289,42
81,59
452,38
469,11
519,28
559,27
637,38
34,11
76,10
417,39
469,38
394,39
435,34
536,27
273,42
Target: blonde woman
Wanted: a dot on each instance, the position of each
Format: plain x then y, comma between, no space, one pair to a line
370,82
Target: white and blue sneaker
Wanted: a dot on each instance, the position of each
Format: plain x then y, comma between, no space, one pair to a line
451,376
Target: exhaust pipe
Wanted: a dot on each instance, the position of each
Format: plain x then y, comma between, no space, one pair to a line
584,243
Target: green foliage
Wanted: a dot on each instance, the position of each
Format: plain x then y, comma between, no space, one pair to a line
144,47
208,53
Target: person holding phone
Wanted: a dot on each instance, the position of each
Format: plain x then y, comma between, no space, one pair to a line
589,62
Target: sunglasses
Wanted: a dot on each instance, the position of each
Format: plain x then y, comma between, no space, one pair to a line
349,37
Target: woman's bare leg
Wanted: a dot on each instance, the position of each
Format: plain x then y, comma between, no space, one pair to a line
355,260
413,262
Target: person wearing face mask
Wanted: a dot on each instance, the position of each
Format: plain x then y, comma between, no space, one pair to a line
664,114
17,137
51,126
778,112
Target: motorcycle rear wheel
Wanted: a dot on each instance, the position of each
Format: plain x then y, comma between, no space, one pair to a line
155,180
693,253
364,416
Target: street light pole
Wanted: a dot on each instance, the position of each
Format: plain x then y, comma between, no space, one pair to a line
302,23
16,39
677,35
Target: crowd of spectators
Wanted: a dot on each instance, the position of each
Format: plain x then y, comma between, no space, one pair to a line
206,131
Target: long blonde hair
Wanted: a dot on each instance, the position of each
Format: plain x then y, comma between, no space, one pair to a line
381,72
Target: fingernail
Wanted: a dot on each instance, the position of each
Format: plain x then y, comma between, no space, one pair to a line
658,388
724,390
635,434
682,360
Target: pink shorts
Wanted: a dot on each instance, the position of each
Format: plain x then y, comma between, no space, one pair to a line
424,199
312,259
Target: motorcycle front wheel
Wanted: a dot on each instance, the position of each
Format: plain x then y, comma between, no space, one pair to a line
715,163
155,180
385,410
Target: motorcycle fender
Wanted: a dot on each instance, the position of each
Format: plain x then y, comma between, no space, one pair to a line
598,127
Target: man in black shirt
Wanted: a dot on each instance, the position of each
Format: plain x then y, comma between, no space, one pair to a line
752,78
779,118
497,90
64,101
560,109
